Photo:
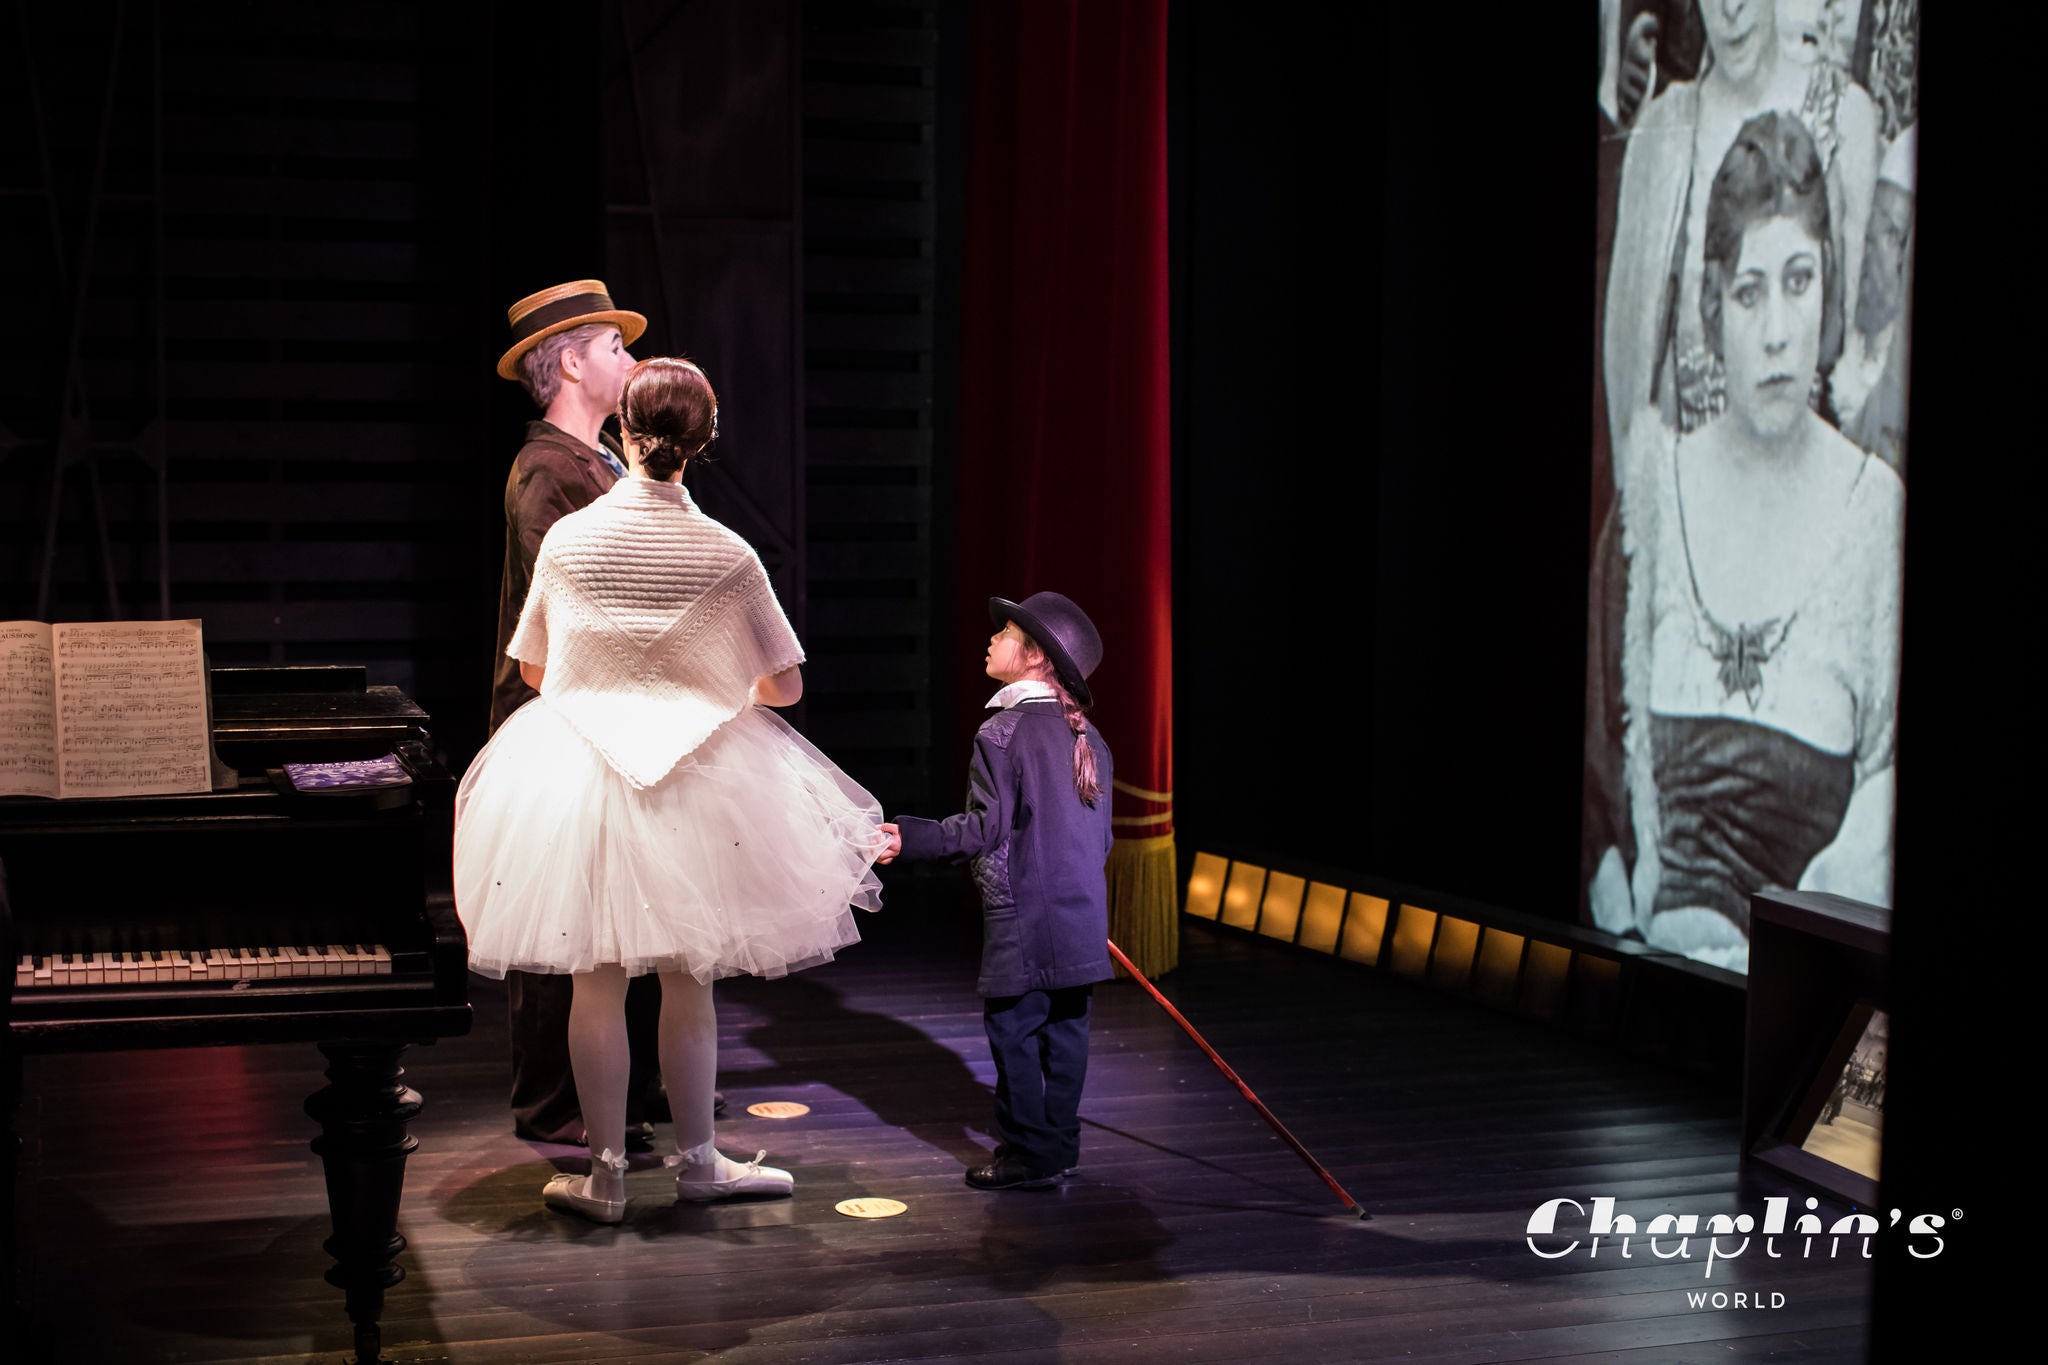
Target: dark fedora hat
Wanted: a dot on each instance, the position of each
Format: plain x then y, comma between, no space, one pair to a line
574,304
1062,630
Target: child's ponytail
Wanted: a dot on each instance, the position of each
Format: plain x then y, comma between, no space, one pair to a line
1086,785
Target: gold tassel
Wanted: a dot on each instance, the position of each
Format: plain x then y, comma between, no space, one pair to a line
1144,903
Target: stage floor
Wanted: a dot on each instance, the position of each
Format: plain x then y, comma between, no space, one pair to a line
170,1209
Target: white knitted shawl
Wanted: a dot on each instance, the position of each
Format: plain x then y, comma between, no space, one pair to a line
653,621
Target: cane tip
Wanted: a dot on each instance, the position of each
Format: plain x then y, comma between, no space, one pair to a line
1364,1217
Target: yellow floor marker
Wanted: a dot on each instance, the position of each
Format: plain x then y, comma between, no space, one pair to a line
778,1109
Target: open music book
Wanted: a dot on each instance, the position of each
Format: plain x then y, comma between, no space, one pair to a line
103,708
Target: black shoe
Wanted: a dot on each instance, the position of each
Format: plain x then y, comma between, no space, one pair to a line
639,1136
569,1134
1007,1173
654,1105
718,1104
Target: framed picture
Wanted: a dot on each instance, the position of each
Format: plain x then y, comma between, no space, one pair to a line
1833,1136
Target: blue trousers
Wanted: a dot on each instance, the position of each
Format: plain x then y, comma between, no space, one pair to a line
1040,1044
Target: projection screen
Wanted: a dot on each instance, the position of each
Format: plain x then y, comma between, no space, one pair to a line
1755,241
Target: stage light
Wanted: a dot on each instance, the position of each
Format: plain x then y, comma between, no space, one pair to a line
1457,943
1414,931
1280,912
1205,885
1365,928
1545,975
1241,895
1322,917
1500,967
1499,958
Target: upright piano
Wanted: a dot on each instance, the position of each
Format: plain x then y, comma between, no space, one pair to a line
257,913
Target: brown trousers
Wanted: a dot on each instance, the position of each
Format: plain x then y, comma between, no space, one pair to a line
544,1105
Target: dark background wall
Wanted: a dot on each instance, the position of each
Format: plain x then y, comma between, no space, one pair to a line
1382,381
317,217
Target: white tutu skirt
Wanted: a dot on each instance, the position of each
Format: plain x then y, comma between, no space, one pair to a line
744,859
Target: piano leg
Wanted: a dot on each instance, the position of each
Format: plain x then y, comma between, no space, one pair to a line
363,1112
10,1161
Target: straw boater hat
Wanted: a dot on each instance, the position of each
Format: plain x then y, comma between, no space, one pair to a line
557,310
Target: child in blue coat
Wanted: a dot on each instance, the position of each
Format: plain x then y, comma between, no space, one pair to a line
1036,832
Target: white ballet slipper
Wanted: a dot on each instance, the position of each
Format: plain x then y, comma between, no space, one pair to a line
571,1193
707,1174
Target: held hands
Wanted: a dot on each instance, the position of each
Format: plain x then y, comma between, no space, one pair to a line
891,844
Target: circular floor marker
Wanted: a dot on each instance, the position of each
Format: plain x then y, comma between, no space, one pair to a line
870,1207
778,1109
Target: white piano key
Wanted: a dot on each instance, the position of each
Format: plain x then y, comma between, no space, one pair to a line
43,973
267,964
25,972
96,970
382,959
131,970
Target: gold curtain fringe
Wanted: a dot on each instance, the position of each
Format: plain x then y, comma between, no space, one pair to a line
1144,903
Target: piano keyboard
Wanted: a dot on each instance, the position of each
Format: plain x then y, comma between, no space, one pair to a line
201,966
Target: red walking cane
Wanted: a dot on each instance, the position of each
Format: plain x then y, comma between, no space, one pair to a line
1242,1088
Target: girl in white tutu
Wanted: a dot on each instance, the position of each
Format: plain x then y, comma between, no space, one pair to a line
643,814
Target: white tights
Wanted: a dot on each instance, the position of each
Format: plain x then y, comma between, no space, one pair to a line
598,1054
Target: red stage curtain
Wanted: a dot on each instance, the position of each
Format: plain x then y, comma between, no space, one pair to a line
1064,477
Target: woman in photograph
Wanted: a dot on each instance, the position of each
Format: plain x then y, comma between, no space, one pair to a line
1759,640
1655,358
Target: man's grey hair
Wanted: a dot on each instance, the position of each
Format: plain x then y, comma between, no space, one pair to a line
540,369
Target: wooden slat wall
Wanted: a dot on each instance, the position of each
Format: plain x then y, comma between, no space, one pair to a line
321,211
332,315
702,234
870,76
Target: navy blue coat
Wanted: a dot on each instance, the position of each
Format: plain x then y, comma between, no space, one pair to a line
1036,850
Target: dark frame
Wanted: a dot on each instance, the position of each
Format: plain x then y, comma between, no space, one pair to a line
1815,959
1785,1147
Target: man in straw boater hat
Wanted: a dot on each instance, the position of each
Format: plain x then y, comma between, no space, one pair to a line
569,350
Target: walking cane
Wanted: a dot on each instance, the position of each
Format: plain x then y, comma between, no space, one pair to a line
1232,1076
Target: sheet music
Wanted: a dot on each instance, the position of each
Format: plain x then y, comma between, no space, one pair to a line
28,711
131,710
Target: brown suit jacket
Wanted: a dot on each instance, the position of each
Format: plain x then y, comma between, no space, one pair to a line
553,474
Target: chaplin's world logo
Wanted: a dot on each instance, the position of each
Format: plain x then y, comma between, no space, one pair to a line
1670,1236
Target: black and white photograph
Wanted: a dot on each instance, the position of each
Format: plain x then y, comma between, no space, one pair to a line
1757,171
1849,1130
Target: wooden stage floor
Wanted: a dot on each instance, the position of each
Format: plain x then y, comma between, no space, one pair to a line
170,1209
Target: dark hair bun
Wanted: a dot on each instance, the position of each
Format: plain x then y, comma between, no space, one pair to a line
661,457
669,410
